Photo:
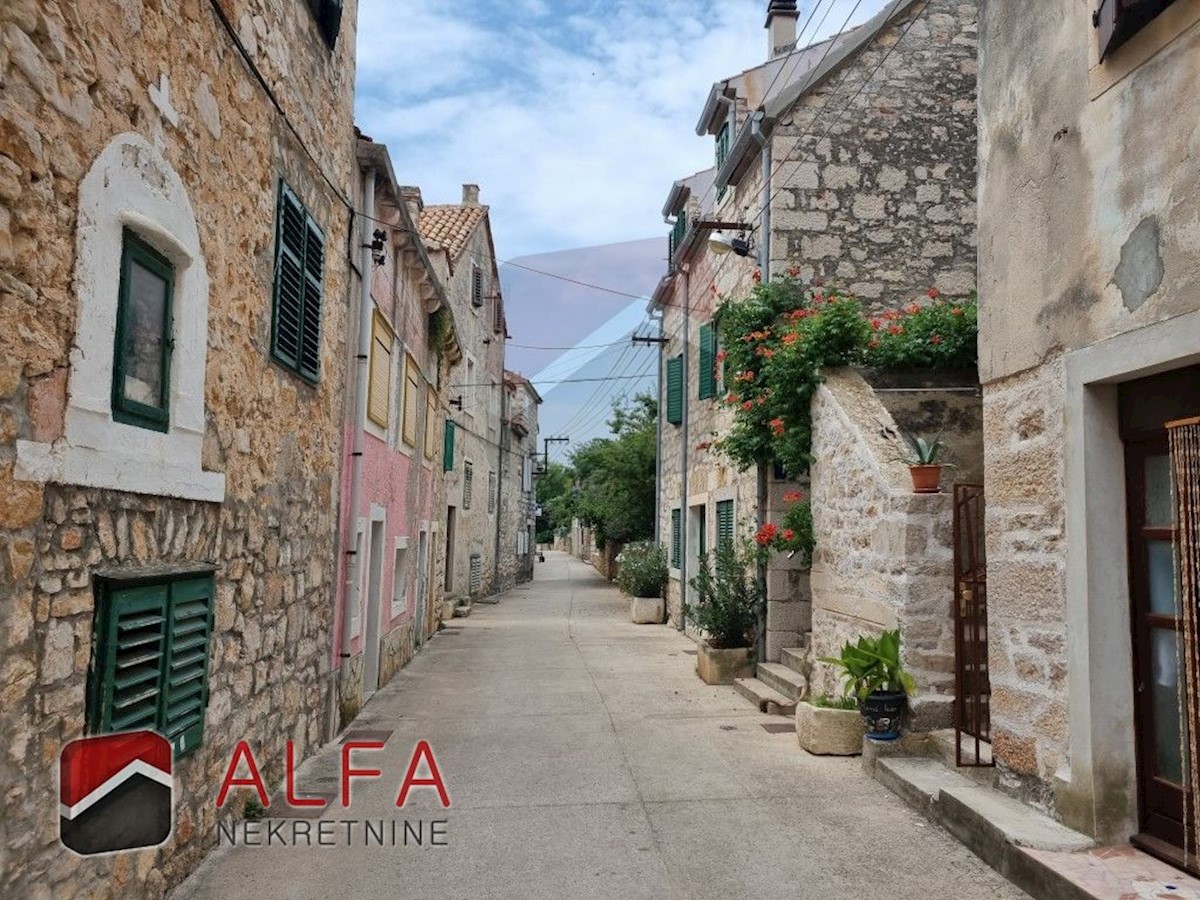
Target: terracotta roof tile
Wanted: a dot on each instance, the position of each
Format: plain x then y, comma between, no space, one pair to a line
448,227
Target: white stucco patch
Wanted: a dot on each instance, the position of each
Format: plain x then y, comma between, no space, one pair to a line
130,185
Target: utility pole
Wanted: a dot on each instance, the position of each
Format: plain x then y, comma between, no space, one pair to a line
546,442
661,341
683,453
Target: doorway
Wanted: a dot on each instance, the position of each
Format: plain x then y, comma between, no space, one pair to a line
1160,685
697,545
451,515
371,635
420,627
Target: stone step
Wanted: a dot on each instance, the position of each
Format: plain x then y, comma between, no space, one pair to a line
941,747
794,658
787,681
462,610
767,699
1012,837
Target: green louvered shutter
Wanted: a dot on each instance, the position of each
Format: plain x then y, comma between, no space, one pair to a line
131,649
448,446
724,522
185,689
314,288
708,363
676,538
675,390
299,288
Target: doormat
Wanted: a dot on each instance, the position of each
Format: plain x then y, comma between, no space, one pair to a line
779,727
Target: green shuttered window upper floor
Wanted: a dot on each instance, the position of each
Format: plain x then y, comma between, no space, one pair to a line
299,288
676,538
150,660
448,446
725,523
675,390
708,362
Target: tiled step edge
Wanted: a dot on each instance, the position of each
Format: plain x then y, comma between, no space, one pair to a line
791,684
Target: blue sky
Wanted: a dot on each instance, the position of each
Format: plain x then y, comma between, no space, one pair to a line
573,117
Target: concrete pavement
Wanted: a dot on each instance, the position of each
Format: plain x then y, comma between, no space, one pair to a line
584,758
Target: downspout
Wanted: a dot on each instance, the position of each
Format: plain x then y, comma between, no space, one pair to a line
764,267
500,482
658,438
683,453
353,566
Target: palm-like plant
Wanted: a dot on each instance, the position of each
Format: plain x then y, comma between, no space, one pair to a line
872,664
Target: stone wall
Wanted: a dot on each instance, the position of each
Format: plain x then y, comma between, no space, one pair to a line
884,556
875,190
194,121
517,504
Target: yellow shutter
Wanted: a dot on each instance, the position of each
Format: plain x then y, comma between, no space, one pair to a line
431,428
412,394
379,389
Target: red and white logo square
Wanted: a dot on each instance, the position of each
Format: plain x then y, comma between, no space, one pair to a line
115,792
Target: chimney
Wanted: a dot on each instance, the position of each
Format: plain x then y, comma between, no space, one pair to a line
412,199
781,27
470,195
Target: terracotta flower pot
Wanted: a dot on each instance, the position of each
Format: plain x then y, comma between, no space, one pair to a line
925,479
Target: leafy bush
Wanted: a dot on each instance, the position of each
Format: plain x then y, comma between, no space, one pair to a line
938,335
728,599
642,569
873,664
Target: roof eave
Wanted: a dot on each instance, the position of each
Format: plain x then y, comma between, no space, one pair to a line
717,99
675,199
745,148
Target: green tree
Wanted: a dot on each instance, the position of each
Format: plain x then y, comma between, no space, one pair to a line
615,476
554,496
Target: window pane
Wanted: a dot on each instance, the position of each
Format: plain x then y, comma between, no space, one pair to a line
145,325
1160,495
1160,558
1168,731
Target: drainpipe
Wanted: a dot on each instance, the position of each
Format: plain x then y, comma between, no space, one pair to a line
354,563
683,453
503,439
658,438
764,267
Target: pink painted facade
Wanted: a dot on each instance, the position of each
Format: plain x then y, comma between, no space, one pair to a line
394,528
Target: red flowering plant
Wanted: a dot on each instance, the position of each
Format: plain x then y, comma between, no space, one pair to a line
935,334
794,534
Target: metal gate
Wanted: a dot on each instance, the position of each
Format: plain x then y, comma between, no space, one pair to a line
973,690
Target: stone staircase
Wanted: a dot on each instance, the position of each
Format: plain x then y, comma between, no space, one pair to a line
777,686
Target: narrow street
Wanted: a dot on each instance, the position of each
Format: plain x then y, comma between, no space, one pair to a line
585,759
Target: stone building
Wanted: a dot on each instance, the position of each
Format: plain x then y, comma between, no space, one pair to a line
851,161
1089,268
394,416
459,238
518,503
177,177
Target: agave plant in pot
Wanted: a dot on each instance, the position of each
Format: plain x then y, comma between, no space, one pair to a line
873,674
925,463
726,611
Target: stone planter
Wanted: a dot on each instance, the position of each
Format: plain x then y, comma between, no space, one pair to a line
723,666
646,610
829,732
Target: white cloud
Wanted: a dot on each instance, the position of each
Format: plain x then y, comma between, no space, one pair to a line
574,116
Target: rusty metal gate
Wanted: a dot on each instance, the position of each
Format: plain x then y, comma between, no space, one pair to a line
973,690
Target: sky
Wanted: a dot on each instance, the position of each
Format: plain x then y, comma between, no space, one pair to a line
573,116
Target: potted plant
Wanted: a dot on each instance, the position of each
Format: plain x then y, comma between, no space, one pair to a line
726,611
642,574
829,726
924,463
874,676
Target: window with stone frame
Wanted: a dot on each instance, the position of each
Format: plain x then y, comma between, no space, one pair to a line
468,483
1116,21
491,503
141,387
476,286
676,537
150,656
328,14
299,288
412,405
379,382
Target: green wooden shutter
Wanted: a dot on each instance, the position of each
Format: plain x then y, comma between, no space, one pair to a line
724,522
289,280
675,390
708,363
131,649
702,528
448,446
185,683
314,288
676,538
